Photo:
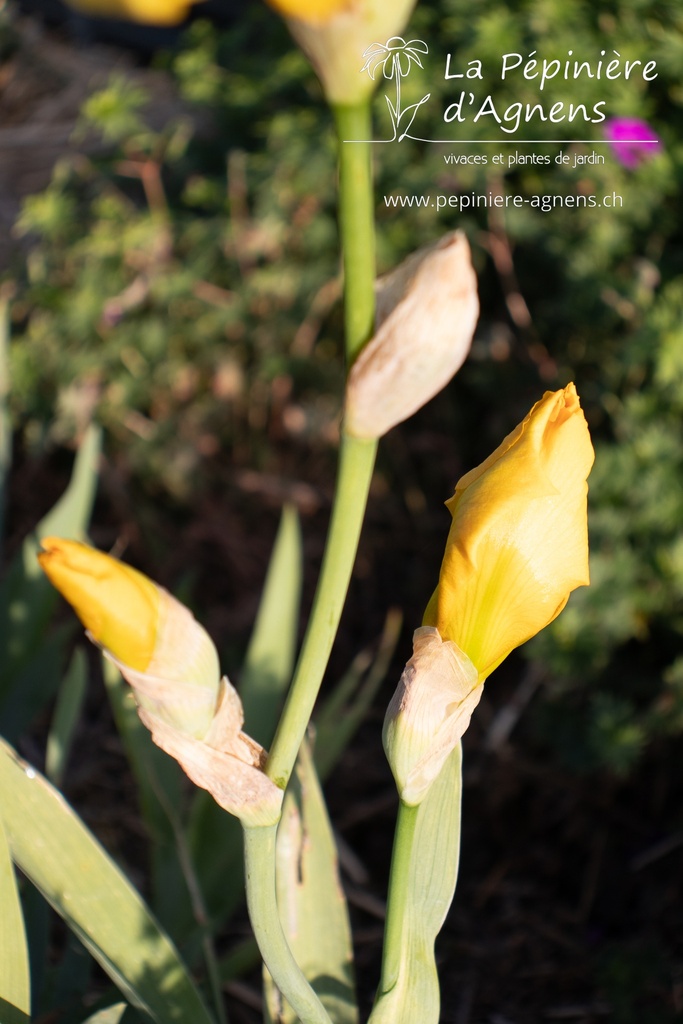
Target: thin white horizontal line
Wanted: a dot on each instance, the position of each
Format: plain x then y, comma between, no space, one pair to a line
523,142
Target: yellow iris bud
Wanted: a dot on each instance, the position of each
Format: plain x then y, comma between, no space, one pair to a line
155,640
144,12
517,547
518,543
309,10
172,665
334,35
118,606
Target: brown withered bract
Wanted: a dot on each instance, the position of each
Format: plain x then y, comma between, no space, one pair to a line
427,309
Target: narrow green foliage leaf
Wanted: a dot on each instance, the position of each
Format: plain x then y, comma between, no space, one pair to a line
312,905
216,837
71,514
158,776
27,599
109,1015
37,916
216,850
15,982
348,704
66,863
65,719
159,788
410,984
269,660
34,683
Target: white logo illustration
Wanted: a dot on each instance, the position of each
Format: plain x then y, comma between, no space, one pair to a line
395,58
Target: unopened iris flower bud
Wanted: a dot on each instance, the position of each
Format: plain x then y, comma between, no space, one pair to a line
172,665
517,547
427,309
334,35
144,12
518,542
155,640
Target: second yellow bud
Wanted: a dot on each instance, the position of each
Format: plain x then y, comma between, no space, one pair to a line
154,640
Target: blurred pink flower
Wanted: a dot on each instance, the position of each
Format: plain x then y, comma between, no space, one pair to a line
632,140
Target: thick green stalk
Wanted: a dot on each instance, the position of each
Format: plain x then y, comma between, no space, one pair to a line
259,859
356,461
356,457
357,224
399,887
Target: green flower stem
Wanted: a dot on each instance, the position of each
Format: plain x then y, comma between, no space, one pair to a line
401,857
356,461
356,457
259,859
357,224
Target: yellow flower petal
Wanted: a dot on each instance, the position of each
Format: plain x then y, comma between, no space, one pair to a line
518,543
312,10
117,605
144,12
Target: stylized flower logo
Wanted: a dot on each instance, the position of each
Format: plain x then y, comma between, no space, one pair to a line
395,58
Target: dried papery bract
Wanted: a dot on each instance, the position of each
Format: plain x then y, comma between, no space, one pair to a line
172,665
429,712
334,35
182,680
427,310
227,763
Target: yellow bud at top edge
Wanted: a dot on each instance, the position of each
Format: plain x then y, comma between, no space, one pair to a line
311,10
164,13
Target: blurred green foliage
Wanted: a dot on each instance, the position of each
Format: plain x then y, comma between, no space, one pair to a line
170,294
183,282
622,636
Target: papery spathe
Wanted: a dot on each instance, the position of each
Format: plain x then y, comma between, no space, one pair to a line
429,712
427,310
